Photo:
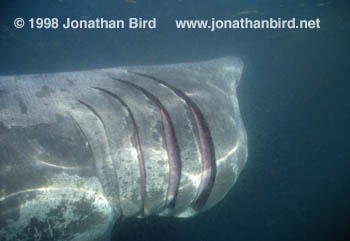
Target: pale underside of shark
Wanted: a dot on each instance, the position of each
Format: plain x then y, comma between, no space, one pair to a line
81,150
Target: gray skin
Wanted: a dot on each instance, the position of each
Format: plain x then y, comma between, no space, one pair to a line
81,150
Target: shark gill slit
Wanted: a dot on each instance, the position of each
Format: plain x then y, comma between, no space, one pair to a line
171,145
93,111
206,145
137,143
76,123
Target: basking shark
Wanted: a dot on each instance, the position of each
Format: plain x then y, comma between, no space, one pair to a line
80,151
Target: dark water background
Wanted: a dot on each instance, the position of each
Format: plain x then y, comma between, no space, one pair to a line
294,97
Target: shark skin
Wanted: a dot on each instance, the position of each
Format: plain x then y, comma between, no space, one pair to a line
82,150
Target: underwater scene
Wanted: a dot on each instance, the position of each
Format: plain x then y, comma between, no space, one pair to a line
130,120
